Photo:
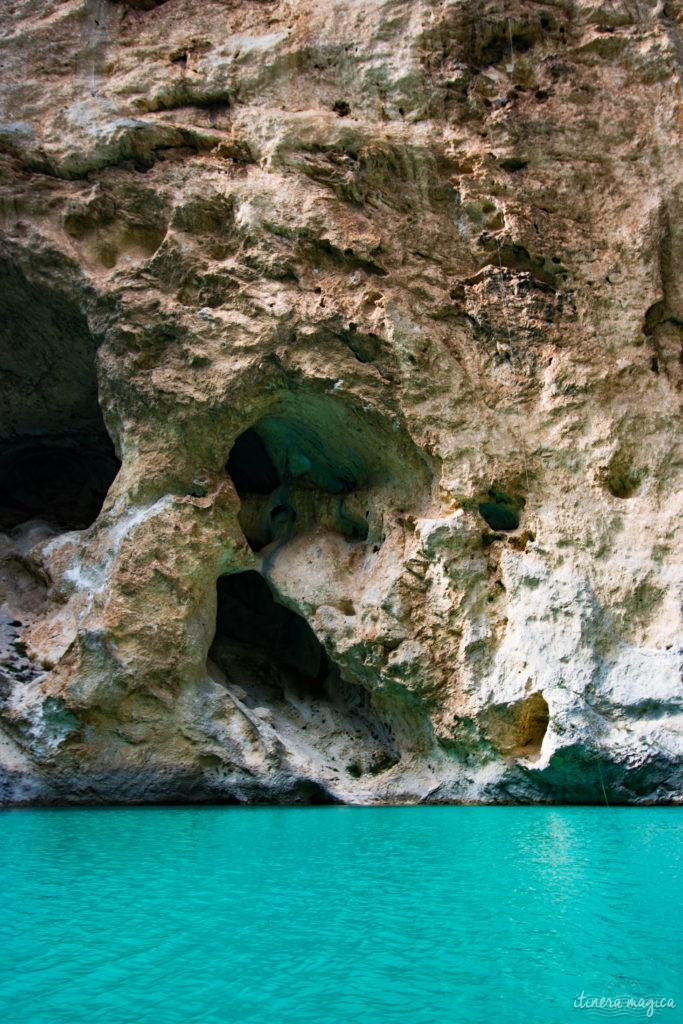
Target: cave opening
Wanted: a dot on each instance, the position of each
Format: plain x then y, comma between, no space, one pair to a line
532,725
57,461
249,616
518,729
500,511
250,465
297,471
323,463
279,674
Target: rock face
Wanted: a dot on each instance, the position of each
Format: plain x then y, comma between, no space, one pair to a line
341,366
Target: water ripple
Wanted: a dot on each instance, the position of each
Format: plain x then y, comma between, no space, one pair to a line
329,915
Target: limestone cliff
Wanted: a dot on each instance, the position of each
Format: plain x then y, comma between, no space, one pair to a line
341,376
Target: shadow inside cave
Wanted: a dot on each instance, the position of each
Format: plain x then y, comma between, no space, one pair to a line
277,671
294,473
249,615
60,480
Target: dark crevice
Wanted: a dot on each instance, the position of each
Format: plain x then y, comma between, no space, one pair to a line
250,465
500,510
367,348
517,258
322,251
512,164
137,147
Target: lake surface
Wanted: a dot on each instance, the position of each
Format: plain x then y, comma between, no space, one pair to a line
417,915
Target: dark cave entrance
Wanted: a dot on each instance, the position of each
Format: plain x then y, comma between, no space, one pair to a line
250,465
57,461
250,622
314,464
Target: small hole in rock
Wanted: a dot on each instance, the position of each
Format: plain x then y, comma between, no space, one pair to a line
513,164
342,108
498,517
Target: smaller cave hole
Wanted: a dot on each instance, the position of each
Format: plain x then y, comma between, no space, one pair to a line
250,466
499,517
518,729
287,472
621,477
341,108
513,164
500,511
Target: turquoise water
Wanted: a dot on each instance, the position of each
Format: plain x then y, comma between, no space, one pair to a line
415,915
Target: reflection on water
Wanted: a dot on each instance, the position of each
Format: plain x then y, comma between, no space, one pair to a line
418,915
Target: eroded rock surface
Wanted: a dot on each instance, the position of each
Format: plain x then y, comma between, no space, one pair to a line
341,363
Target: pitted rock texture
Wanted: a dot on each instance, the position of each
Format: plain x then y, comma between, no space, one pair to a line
340,348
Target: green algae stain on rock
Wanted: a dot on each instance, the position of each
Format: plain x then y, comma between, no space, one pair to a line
621,477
